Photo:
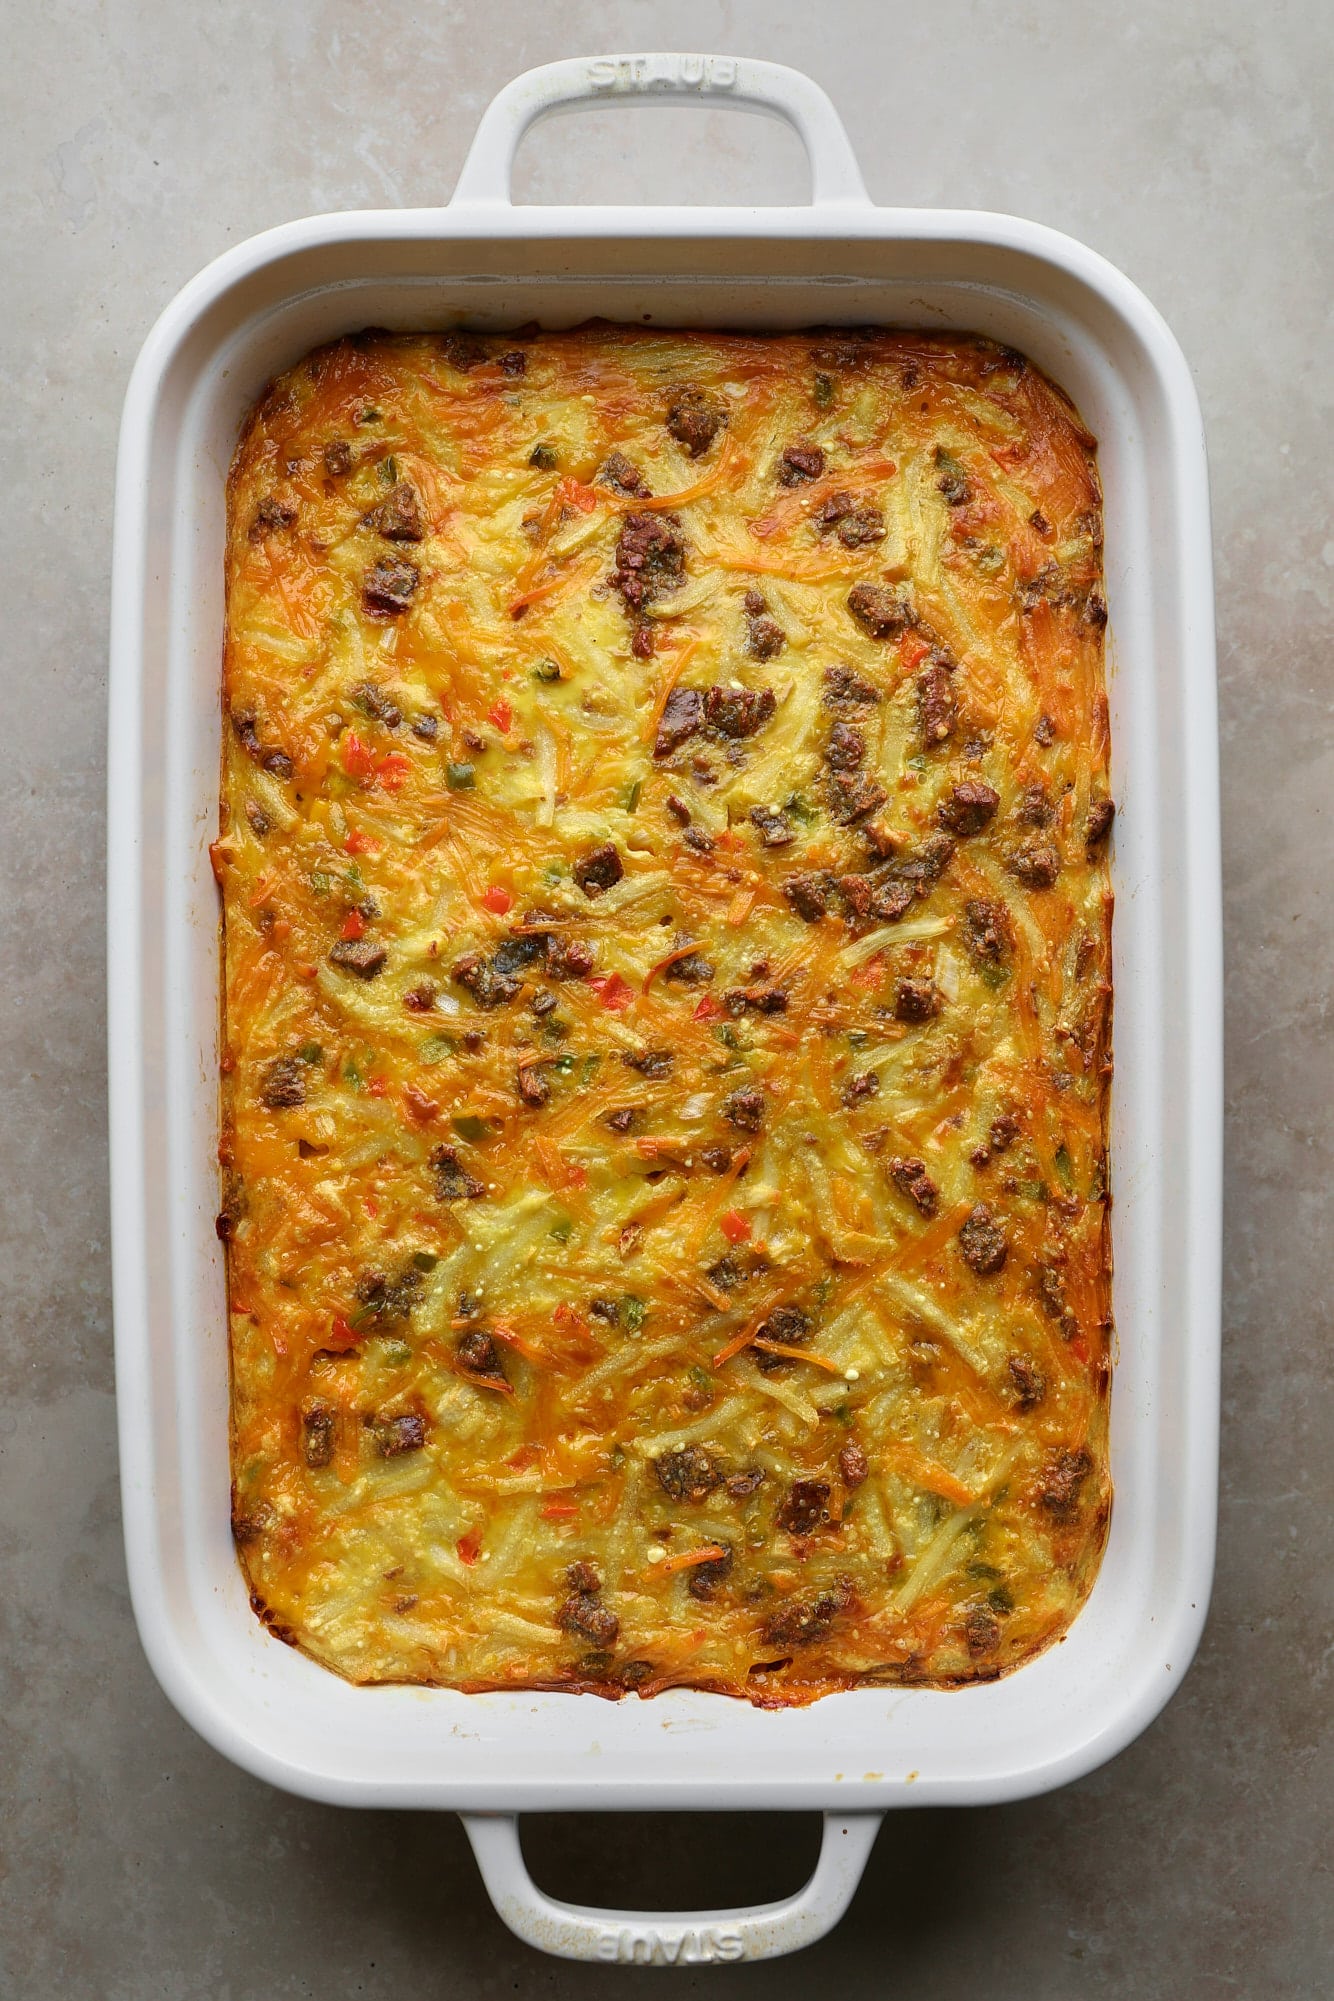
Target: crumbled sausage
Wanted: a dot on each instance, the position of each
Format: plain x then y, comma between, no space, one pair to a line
1062,1481
765,637
688,1475
953,481
463,351
773,826
880,611
569,959
271,515
383,1299
846,747
388,589
397,1435
916,1000
695,420
690,971
1051,1294
534,1085
911,1176
650,559
982,1244
1003,1132
716,1158
1034,808
376,703
584,1614
258,818
1044,731
853,1465
1098,825
760,998
599,870
857,526
987,935
1028,1382
706,1577
882,843
337,458
726,1273
865,1084
399,516
799,1623
852,796
1036,864
805,1508
969,807
284,1084
740,1486
490,984
809,894
845,690
937,709
738,712
619,473
800,462
744,1109
317,1434
479,1355
624,1120
852,347
789,1325
649,1062
880,896
453,1183
981,1631
924,868
361,956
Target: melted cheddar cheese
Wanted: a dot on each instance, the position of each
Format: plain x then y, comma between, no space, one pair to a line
667,988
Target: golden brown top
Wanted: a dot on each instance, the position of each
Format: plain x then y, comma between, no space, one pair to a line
667,994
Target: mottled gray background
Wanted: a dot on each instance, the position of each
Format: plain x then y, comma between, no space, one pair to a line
1190,143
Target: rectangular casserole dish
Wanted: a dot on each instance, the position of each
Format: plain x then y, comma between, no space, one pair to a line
483,263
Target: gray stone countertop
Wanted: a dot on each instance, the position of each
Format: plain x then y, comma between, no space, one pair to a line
1191,144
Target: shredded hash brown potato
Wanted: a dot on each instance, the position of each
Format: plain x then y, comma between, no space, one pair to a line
667,999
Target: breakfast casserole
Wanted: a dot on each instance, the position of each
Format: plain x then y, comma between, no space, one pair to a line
666,1029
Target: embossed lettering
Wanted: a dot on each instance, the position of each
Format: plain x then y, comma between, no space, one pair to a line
697,73
651,1947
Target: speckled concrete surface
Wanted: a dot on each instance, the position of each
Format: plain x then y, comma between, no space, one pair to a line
1191,144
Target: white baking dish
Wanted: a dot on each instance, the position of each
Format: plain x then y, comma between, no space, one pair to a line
255,311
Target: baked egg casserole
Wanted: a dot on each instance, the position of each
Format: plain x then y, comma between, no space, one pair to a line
666,1026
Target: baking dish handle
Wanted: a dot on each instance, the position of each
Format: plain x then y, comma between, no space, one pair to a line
743,81
671,1938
